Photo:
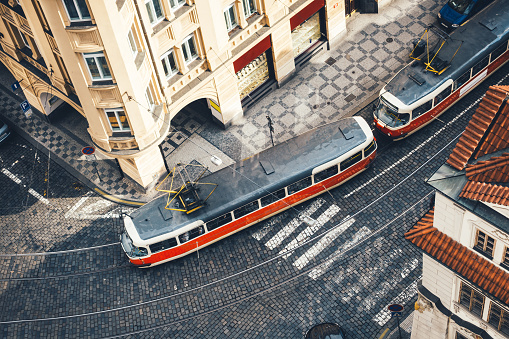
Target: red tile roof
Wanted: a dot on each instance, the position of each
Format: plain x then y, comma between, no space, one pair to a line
459,258
481,191
495,139
494,170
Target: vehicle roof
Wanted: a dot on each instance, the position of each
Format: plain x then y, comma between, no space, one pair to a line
477,39
247,181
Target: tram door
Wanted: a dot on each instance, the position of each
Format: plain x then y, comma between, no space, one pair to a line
350,7
368,6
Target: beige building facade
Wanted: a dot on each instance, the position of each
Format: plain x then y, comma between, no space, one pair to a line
130,66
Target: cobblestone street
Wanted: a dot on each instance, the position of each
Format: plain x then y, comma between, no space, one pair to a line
63,273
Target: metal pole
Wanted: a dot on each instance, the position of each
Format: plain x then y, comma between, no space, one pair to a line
271,129
96,171
399,328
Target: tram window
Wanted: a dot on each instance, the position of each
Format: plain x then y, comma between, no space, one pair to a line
326,173
371,147
246,209
299,185
462,79
480,65
163,245
421,109
442,95
219,221
273,197
194,233
498,52
350,161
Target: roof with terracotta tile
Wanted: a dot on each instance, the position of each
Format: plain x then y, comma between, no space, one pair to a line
487,131
481,191
495,169
459,258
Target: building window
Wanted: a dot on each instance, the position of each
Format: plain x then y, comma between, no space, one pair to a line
229,18
505,258
155,11
118,120
460,336
499,318
484,244
97,65
306,34
189,49
24,39
149,95
169,64
133,41
77,10
249,7
177,3
471,299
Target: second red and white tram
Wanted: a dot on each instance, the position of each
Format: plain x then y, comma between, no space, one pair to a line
427,87
250,191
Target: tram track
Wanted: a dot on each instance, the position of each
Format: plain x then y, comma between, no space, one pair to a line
229,279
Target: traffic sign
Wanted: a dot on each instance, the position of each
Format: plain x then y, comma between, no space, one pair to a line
88,150
15,86
395,310
25,106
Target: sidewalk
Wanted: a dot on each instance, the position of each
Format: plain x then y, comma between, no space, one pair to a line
333,85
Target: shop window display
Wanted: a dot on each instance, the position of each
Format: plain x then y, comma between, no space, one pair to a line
306,34
253,75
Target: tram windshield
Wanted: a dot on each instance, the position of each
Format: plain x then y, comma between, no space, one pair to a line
460,5
130,249
389,115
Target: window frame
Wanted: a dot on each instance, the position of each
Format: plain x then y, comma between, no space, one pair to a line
252,11
326,173
157,19
219,221
483,250
24,39
117,117
150,96
227,17
135,48
471,295
502,48
185,46
503,317
350,158
78,10
179,3
166,62
95,55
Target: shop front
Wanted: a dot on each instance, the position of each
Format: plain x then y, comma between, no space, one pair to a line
255,73
308,32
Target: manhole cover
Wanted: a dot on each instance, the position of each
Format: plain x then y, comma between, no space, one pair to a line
389,40
350,98
330,61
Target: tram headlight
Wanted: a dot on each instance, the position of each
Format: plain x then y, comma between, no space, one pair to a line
455,25
439,15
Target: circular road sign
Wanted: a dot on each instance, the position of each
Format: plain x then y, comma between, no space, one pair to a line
395,309
89,150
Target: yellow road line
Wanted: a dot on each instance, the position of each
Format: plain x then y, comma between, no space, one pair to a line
113,198
383,334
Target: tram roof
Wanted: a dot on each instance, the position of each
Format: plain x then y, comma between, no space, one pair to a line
482,33
246,180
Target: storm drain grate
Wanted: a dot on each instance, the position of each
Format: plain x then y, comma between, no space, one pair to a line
330,61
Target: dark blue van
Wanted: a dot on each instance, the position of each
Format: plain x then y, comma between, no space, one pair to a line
456,12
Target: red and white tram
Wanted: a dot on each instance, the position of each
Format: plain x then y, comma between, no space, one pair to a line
444,73
248,192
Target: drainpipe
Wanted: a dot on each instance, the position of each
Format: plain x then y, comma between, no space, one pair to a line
150,53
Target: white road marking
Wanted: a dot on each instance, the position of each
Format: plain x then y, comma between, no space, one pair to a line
263,231
387,285
319,270
310,230
30,190
92,211
322,244
404,297
276,240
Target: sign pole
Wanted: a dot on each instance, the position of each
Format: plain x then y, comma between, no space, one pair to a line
88,151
